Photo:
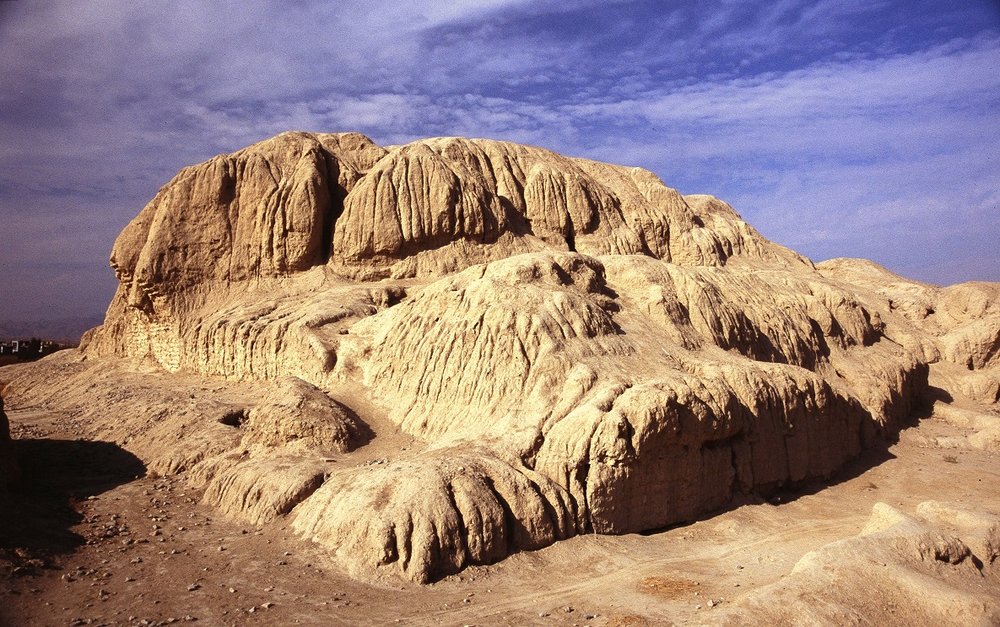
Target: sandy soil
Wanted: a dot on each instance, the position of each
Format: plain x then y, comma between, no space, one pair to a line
95,540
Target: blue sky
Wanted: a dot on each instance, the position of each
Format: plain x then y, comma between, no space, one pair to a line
839,128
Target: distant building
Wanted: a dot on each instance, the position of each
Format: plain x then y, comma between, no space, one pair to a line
29,349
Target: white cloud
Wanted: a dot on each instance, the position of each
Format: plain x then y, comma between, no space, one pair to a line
100,103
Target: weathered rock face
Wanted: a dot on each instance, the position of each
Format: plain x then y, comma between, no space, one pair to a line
299,201
264,211
956,327
434,514
443,352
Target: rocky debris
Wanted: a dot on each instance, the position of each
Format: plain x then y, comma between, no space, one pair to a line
623,357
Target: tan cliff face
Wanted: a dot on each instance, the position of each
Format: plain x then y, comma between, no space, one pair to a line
340,204
301,200
444,352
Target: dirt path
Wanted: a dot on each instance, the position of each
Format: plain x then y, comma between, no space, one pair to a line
94,541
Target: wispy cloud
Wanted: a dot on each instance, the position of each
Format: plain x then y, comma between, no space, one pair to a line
862,128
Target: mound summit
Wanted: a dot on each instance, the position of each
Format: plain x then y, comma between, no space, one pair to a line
433,355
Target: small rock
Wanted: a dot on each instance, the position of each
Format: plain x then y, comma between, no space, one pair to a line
194,587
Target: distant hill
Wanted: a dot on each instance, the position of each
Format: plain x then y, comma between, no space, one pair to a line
63,330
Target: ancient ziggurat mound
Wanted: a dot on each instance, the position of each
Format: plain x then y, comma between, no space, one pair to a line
433,355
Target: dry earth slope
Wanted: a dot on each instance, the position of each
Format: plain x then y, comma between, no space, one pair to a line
433,355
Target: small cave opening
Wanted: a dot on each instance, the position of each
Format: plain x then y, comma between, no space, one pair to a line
234,418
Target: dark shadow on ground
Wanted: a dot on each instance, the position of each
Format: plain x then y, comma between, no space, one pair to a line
875,455
935,394
865,461
37,515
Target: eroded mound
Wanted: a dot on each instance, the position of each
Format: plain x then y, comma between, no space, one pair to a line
432,355
939,566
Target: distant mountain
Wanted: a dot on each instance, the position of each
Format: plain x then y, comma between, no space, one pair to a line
63,330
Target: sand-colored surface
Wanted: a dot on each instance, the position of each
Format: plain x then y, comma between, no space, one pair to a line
113,549
483,367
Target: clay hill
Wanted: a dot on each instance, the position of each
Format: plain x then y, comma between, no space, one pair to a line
432,356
